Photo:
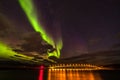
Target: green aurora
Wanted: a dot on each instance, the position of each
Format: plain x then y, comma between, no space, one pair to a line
30,11
7,53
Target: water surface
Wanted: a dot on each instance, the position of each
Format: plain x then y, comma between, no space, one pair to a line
19,74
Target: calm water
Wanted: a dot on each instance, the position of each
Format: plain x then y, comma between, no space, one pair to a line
59,75
83,75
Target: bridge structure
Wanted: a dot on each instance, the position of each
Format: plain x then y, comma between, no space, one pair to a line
71,72
76,67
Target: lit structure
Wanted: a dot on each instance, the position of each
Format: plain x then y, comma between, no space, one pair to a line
76,67
73,72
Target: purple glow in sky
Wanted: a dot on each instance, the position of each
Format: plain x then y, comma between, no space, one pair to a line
85,26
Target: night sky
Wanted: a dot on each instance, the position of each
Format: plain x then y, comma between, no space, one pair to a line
85,25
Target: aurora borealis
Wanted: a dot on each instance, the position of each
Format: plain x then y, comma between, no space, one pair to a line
30,11
7,53
31,14
72,27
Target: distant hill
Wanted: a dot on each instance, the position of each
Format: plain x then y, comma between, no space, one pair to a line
98,58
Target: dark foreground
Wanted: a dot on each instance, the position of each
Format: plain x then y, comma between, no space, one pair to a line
33,74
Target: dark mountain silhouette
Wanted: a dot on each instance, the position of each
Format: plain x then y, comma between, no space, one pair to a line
98,58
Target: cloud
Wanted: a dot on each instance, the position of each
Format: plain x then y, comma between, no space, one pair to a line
8,32
33,42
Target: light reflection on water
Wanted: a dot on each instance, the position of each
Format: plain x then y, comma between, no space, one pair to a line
69,74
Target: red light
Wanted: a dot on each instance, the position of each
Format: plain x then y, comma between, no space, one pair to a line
41,72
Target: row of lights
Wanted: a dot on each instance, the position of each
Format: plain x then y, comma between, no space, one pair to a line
73,65
83,69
